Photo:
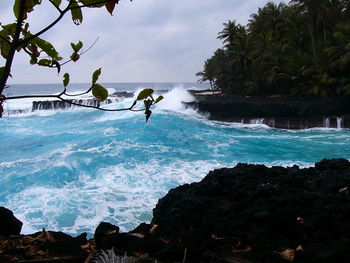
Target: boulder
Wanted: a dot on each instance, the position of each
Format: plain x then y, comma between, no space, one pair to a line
9,224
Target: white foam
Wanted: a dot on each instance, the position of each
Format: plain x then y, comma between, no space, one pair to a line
173,101
118,194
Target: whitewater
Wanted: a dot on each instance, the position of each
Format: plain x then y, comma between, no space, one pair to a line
68,170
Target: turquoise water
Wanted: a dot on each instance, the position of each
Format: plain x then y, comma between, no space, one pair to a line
69,170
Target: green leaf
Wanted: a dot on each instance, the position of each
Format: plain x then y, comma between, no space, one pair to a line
1,71
75,57
47,47
65,79
56,2
92,3
16,8
5,49
44,62
159,99
76,47
96,75
77,15
79,46
99,92
145,94
9,29
28,7
33,61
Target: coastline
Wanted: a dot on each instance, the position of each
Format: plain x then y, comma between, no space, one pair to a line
249,213
274,111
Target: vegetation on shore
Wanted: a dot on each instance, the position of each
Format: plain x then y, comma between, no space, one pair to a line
296,49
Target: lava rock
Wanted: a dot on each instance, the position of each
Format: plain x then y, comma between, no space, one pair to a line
261,212
103,233
9,224
277,112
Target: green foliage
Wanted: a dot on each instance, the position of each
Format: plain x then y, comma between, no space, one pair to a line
66,80
297,49
17,37
96,75
99,92
77,14
159,99
145,94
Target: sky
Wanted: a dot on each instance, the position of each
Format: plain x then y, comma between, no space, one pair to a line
144,40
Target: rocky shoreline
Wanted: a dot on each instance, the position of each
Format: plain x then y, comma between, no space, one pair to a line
249,213
275,111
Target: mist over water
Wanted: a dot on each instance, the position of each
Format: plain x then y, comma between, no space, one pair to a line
68,170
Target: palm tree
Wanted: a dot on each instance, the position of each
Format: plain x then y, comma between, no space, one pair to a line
229,32
208,73
297,49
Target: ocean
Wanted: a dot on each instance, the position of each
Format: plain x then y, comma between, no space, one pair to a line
69,169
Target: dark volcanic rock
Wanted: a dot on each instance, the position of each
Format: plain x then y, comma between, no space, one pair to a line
278,112
9,224
103,234
261,211
58,104
44,246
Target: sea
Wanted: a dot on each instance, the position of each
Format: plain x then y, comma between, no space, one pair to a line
69,169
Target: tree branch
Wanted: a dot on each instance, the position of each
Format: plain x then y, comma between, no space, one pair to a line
28,39
14,45
82,53
59,97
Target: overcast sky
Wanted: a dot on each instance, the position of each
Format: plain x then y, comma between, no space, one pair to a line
144,41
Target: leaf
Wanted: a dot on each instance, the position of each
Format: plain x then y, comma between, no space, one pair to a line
159,99
76,47
56,2
65,79
96,75
5,49
34,49
99,92
153,229
110,7
9,29
44,62
288,254
28,7
92,3
144,94
47,47
75,57
79,46
2,71
77,15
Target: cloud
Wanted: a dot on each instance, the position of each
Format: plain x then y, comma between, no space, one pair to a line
144,41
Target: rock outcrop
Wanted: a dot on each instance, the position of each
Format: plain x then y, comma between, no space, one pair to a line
260,214
9,224
277,112
58,104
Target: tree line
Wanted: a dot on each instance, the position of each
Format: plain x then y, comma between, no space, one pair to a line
297,49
